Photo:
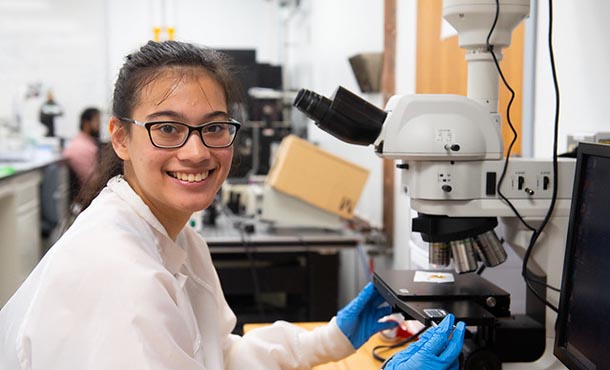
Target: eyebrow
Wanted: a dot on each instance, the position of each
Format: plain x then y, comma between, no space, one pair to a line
181,117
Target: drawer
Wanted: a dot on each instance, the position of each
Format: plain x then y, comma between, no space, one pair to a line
26,187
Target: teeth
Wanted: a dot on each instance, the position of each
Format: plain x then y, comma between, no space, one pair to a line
189,177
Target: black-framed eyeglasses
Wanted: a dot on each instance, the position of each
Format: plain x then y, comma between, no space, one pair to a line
172,134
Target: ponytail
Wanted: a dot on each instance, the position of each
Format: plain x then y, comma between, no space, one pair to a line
109,166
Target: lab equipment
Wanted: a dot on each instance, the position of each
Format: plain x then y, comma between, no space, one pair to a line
367,70
360,318
50,114
583,331
265,121
451,156
285,211
591,137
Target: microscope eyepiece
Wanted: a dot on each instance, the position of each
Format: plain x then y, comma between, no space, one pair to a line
346,116
313,105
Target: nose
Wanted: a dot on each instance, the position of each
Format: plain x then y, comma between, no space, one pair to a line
193,149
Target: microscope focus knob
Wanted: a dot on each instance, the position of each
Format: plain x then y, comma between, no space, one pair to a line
491,302
446,188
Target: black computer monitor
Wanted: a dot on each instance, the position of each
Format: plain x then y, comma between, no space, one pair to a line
583,323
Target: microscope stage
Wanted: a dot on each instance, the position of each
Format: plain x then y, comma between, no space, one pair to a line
469,297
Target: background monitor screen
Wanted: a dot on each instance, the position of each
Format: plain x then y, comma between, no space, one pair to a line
583,326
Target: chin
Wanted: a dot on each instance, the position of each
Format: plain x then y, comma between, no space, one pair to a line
196,207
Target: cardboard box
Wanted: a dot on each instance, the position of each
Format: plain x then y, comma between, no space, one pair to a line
303,170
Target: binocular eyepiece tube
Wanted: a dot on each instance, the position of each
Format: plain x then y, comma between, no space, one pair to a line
346,116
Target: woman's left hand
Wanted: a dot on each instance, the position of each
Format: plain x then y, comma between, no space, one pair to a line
359,320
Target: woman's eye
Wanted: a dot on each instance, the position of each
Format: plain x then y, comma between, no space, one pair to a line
168,129
214,129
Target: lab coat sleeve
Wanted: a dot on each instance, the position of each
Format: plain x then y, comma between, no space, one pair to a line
286,346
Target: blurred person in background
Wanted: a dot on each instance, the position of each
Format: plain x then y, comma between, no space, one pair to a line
82,151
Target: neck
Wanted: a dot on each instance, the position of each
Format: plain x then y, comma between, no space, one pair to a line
172,220
173,224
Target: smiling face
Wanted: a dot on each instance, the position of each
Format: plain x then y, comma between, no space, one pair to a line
174,183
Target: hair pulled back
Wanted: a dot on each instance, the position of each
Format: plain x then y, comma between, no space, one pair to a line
140,69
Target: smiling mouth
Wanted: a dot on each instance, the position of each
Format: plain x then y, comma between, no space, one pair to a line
189,177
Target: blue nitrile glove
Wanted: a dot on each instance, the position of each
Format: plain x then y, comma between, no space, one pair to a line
433,351
360,318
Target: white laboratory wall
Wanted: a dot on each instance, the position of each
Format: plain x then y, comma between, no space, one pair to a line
232,24
581,56
59,44
406,38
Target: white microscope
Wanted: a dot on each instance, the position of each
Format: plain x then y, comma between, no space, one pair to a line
450,150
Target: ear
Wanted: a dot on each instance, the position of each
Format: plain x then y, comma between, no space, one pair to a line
119,138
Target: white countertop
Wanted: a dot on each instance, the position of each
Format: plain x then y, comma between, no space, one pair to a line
20,163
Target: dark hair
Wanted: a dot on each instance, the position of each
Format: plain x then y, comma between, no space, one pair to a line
87,116
140,69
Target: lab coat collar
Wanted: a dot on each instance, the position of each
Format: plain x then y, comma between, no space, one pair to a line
172,253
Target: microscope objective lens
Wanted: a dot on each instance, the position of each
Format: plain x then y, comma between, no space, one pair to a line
489,249
439,254
464,259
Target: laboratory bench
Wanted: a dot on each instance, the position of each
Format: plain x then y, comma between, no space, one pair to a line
33,189
270,274
362,359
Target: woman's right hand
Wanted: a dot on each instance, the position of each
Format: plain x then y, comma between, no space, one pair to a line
437,349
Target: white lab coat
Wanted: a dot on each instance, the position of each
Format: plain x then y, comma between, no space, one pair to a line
115,292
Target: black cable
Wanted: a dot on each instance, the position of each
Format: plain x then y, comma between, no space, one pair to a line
251,260
542,282
535,232
387,347
549,213
509,121
253,272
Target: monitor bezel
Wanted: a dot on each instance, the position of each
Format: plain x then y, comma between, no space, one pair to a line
585,150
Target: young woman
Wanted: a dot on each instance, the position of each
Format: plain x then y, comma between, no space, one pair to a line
129,286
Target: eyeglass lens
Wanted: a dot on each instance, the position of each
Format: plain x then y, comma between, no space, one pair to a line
171,134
